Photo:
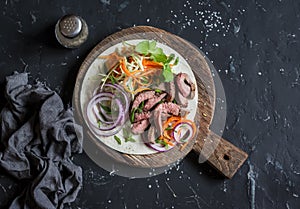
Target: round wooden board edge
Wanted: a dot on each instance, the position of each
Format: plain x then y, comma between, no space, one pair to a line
152,160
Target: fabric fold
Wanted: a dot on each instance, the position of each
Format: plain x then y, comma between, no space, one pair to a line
38,138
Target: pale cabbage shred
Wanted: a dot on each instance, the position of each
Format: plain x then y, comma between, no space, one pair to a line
137,64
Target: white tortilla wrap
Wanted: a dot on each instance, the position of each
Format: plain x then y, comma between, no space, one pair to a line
92,80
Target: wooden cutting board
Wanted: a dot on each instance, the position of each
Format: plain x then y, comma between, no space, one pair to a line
221,154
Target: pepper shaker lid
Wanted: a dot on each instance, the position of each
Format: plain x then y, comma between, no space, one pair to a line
71,31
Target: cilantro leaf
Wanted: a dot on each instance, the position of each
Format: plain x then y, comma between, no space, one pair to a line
156,50
152,45
142,47
159,57
167,73
150,48
129,139
128,136
147,47
176,61
170,58
125,132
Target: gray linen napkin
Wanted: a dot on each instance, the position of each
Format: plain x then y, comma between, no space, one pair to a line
37,139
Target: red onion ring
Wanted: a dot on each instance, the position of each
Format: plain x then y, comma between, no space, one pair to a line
159,148
120,88
101,97
125,95
106,133
113,126
108,97
178,137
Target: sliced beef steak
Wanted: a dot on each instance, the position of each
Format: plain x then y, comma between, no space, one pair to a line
140,127
168,87
141,116
169,107
185,85
171,90
151,135
154,101
181,100
162,86
143,96
160,113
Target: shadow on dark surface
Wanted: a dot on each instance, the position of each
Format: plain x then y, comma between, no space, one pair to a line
70,81
46,36
204,168
2,97
10,188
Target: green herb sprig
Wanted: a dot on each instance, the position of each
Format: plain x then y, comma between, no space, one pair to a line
149,48
128,136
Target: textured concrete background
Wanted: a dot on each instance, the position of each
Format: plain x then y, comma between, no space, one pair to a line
254,46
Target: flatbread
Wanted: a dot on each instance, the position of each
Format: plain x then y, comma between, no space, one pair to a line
92,80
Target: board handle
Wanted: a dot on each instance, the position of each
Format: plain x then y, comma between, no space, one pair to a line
221,154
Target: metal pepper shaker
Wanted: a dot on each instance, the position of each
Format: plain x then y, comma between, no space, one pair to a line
71,31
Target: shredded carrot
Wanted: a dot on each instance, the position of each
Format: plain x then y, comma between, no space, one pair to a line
151,64
168,142
167,135
151,71
179,131
141,89
141,72
124,68
183,146
137,75
117,72
141,83
170,120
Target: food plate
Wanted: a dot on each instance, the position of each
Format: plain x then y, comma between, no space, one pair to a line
222,155
92,79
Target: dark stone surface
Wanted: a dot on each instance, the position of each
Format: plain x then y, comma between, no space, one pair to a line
255,48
